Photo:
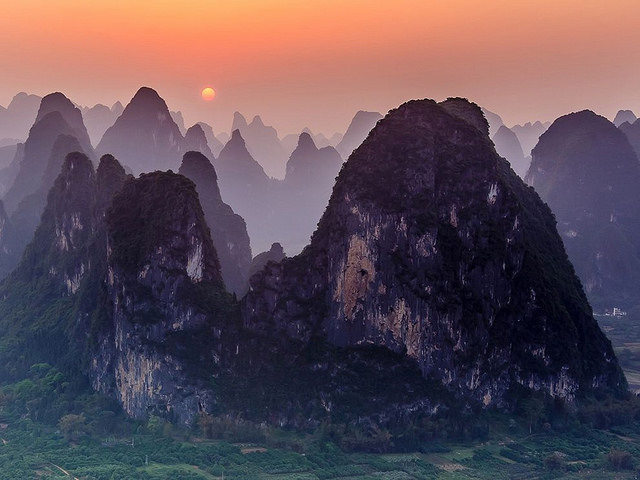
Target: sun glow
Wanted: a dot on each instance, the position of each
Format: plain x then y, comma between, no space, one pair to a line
208,94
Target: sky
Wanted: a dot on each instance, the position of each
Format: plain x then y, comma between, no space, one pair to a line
308,63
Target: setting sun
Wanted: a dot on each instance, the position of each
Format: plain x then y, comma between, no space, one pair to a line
208,94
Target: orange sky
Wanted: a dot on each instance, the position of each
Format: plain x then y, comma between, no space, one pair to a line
314,63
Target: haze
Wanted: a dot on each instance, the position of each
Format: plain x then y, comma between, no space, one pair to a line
314,64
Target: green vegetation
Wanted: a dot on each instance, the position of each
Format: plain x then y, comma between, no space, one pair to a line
83,449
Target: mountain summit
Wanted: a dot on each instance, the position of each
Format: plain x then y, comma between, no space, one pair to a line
432,247
145,137
588,173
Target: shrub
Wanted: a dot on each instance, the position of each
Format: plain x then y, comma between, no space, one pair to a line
555,461
619,459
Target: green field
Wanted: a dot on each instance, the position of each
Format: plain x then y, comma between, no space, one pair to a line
29,450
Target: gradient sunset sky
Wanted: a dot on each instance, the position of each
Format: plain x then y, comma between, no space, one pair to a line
315,63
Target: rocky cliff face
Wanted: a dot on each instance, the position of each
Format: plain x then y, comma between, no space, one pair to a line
228,230
145,137
120,283
165,288
38,297
26,217
430,246
588,173
58,130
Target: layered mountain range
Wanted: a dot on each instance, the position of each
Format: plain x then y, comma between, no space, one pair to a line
434,271
587,171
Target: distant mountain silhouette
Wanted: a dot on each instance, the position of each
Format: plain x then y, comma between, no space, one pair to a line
7,154
196,140
246,187
228,230
117,109
26,218
632,131
508,146
284,211
528,135
179,120
311,174
98,119
624,116
214,143
335,139
223,137
37,150
358,129
9,172
312,167
237,165
263,143
588,173
144,137
290,142
274,254
57,102
24,174
494,120
19,116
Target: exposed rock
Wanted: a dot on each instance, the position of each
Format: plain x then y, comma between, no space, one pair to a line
164,284
431,246
27,215
228,230
37,297
145,137
586,170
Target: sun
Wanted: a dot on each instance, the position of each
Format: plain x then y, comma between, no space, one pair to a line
208,94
